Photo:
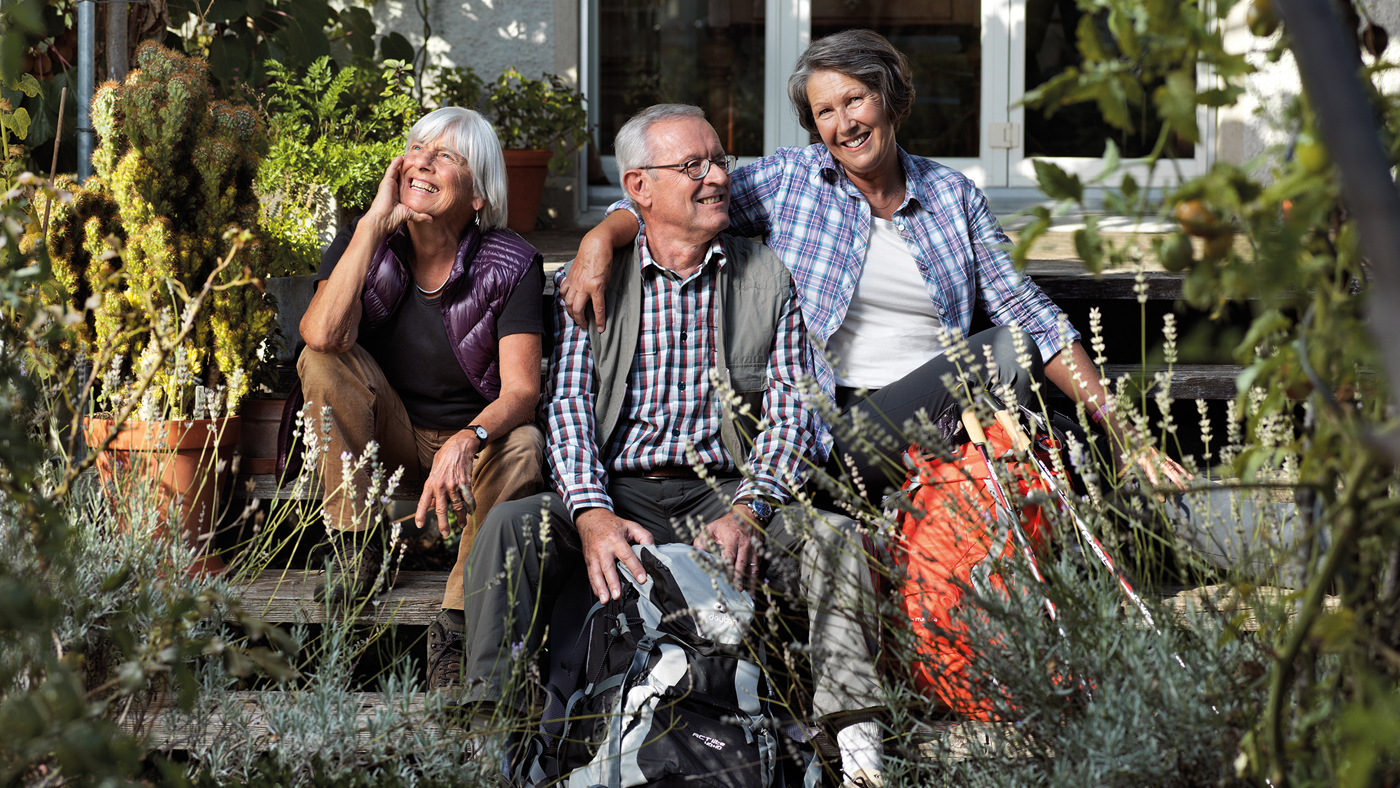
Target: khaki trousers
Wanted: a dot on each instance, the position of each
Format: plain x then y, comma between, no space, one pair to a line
364,408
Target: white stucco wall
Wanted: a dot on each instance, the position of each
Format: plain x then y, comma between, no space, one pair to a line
488,35
1255,122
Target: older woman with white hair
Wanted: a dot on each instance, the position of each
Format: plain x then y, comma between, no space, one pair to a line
424,337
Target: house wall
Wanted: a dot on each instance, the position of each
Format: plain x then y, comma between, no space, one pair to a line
1257,121
543,35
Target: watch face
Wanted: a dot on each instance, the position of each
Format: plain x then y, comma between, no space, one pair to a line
480,432
761,510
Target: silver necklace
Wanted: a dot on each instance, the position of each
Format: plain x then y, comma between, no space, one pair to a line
432,292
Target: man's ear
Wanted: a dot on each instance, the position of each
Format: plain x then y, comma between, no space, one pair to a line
638,187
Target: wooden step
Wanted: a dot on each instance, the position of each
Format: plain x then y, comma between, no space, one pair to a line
168,732
265,487
286,596
1059,279
1188,381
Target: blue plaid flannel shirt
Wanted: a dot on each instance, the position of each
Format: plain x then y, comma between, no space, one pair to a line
805,208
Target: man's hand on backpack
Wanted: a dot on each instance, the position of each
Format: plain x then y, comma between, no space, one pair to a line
738,539
608,539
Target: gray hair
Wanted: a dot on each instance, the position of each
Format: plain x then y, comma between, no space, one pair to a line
470,136
632,147
863,55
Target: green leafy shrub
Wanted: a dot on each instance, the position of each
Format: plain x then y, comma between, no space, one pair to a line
337,128
529,114
1274,239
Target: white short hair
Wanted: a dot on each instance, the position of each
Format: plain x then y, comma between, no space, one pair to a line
470,136
631,146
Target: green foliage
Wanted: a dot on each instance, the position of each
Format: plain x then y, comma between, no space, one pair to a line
1128,47
541,114
14,122
1110,703
152,229
529,114
92,615
1279,244
334,127
239,39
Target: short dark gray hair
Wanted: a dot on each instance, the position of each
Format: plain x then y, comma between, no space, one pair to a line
474,139
632,147
862,55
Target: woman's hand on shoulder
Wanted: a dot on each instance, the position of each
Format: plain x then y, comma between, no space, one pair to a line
386,213
586,283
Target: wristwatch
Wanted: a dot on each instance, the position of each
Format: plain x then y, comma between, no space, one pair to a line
480,432
762,511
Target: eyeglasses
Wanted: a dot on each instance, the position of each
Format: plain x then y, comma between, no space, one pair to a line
696,169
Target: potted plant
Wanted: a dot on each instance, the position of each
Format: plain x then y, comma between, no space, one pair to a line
152,244
539,122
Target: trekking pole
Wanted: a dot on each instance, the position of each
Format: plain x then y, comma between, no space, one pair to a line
1021,443
977,437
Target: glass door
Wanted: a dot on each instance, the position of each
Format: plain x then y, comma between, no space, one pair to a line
709,53
1075,137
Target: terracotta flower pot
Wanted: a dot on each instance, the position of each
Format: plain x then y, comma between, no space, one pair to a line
525,174
257,451
180,463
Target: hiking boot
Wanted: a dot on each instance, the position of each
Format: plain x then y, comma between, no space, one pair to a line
445,658
356,559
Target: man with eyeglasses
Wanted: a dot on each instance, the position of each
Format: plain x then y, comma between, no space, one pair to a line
635,419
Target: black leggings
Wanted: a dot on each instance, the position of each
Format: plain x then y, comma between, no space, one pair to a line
923,390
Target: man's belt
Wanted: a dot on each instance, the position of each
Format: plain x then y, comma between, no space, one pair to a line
674,472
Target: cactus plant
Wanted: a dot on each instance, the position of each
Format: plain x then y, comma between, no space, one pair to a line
174,172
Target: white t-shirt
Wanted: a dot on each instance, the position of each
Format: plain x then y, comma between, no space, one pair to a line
890,328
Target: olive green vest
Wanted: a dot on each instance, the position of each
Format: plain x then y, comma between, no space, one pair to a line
753,291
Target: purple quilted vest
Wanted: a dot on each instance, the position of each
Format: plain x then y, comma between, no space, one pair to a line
487,269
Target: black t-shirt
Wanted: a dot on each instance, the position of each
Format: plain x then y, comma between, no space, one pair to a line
412,348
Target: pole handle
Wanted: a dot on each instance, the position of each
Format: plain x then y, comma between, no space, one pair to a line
1020,442
974,428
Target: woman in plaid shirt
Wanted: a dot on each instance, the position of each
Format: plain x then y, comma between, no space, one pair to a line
890,253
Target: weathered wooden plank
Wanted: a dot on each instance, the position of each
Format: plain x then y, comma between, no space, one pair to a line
1114,285
166,729
1060,279
285,596
1188,381
1224,600
265,487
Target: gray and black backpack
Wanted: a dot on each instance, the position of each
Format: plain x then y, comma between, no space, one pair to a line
664,686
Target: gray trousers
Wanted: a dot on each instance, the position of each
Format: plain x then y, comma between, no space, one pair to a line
526,549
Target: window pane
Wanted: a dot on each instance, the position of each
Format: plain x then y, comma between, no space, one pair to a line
942,39
1079,129
703,52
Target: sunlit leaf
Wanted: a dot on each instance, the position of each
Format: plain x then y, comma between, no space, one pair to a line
1176,103
1056,183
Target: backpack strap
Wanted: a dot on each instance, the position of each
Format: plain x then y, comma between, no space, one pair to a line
639,661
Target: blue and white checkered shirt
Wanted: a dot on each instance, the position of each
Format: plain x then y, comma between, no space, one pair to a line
671,403
806,209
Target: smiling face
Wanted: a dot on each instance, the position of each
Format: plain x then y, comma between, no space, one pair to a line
851,120
669,200
436,181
